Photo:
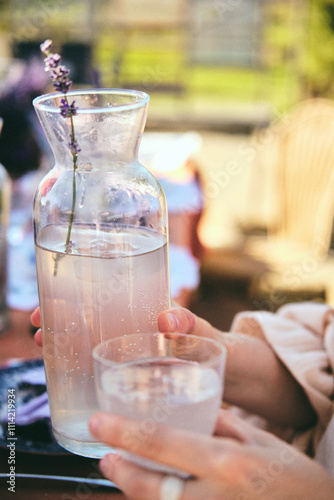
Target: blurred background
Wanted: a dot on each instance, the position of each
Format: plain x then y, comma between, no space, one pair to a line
219,73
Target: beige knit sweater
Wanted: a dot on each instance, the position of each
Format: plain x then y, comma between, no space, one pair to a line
302,336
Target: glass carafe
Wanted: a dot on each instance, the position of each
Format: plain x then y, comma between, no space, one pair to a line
101,241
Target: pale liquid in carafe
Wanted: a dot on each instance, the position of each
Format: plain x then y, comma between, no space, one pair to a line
112,283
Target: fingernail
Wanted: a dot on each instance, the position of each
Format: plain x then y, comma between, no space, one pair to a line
107,464
173,322
104,465
95,424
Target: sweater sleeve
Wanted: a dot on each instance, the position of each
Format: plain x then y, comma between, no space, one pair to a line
302,336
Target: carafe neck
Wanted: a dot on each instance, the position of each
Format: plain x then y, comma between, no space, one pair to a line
107,126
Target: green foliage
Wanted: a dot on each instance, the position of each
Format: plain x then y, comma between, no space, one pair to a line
297,52
318,68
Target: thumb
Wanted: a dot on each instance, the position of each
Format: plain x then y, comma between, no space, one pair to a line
35,317
182,320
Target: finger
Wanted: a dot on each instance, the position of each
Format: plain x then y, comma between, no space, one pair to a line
134,481
182,320
196,454
35,317
38,338
138,483
233,427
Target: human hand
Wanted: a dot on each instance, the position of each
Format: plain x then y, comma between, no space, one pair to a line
265,388
255,378
240,462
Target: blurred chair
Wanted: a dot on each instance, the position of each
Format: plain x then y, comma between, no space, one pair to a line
297,250
293,260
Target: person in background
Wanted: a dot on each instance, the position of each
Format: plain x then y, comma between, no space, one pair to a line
20,147
279,374
23,156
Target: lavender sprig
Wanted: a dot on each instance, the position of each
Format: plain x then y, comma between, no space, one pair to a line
59,76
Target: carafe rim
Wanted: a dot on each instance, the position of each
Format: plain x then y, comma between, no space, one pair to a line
141,99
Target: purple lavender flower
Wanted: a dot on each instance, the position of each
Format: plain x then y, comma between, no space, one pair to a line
57,72
62,85
74,147
59,77
66,109
70,246
52,61
61,71
46,46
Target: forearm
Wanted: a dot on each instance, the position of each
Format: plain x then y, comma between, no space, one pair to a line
258,382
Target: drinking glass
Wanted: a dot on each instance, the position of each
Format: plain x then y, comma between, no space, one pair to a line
173,379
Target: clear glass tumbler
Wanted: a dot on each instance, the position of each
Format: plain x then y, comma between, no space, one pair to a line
172,379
